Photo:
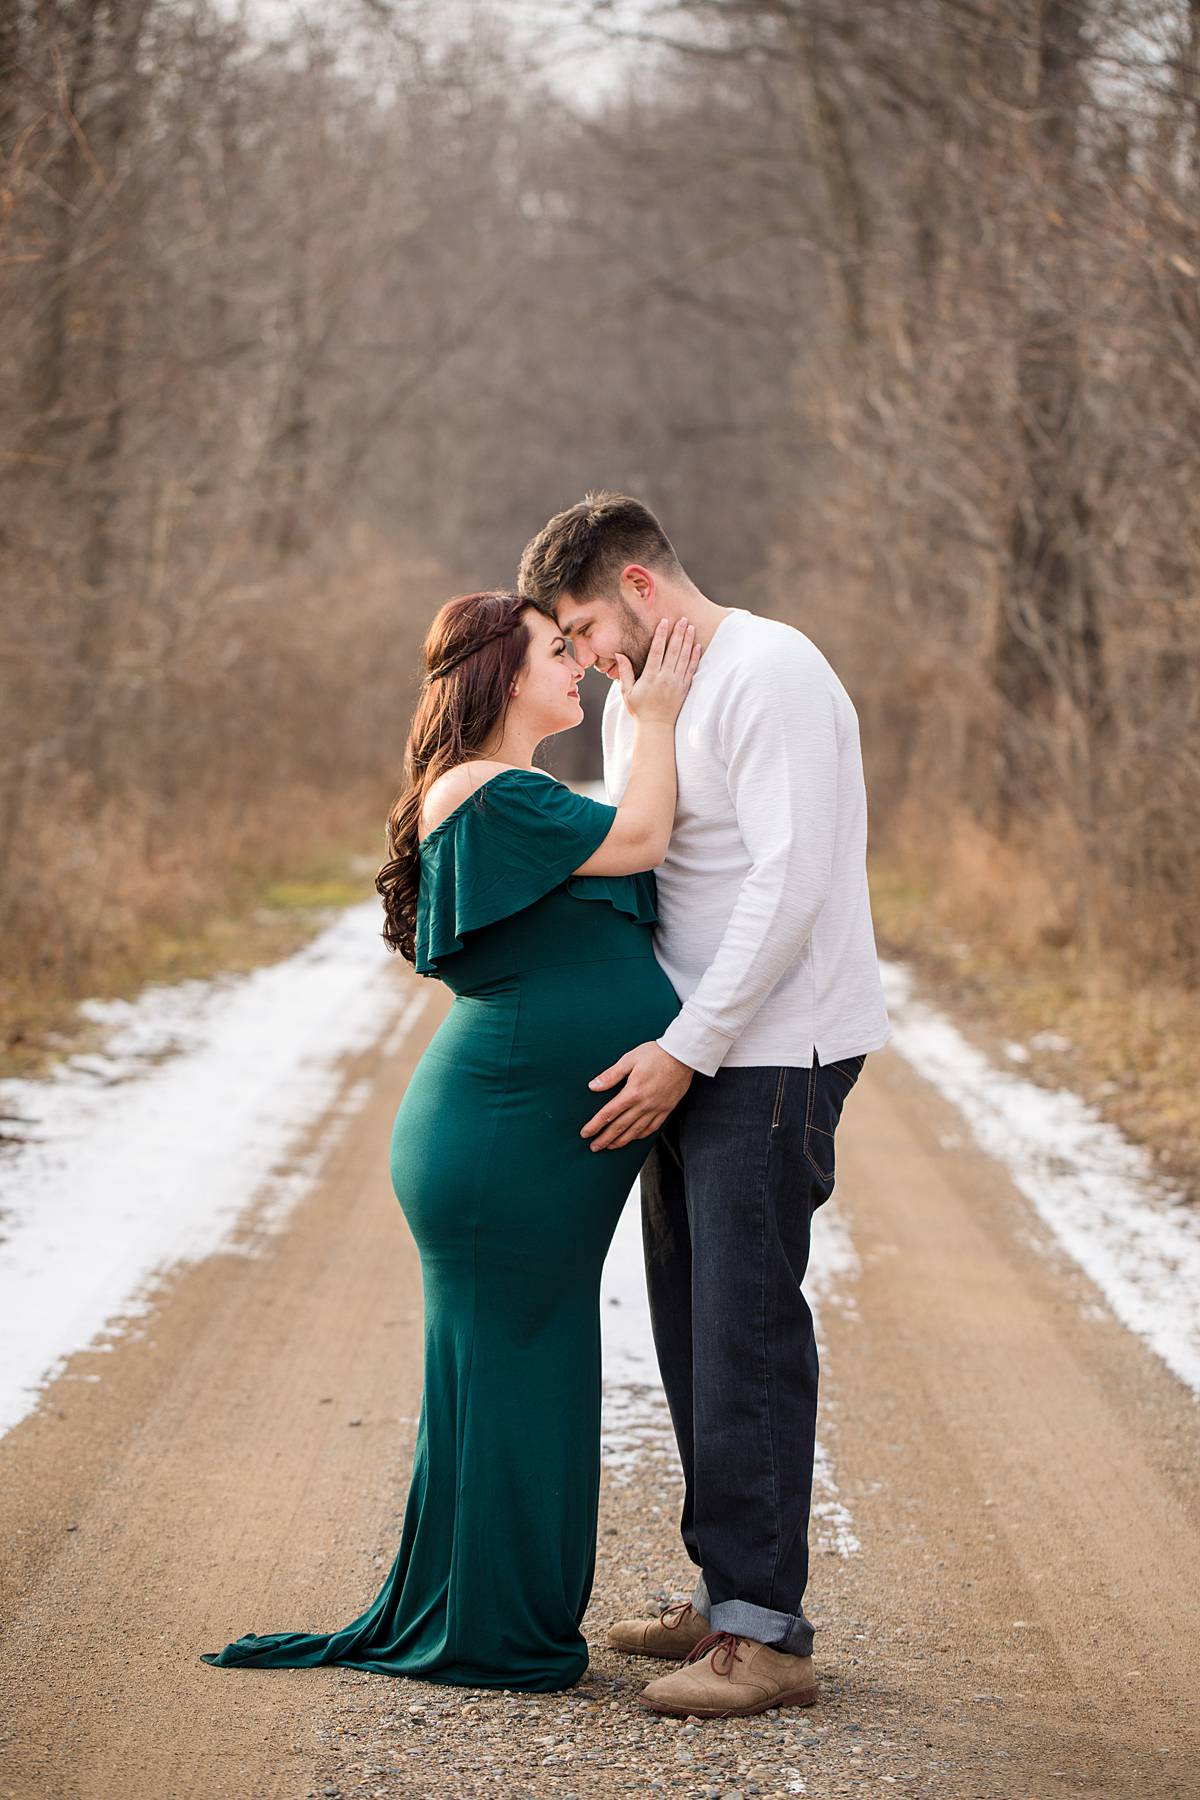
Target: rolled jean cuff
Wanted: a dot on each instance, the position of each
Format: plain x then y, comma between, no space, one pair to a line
789,1632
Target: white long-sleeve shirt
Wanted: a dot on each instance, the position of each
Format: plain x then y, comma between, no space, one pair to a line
765,927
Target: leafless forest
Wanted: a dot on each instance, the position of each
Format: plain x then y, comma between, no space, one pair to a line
891,311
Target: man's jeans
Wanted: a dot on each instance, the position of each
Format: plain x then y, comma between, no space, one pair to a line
728,1194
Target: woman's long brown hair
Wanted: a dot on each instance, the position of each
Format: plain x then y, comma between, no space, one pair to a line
481,642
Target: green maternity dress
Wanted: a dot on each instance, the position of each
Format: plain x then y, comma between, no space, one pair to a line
554,978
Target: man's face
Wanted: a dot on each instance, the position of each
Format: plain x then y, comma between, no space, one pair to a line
599,628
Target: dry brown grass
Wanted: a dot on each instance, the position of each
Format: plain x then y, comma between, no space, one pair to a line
991,929
104,912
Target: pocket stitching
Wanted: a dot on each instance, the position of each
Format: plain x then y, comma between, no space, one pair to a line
809,1127
778,1111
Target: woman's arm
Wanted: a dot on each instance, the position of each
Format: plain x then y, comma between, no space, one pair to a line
641,831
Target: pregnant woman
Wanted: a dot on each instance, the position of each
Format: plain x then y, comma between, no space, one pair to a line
535,906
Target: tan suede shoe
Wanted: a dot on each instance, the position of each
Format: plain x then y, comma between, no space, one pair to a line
728,1677
676,1630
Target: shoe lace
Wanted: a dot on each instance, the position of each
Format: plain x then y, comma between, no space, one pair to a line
673,1615
725,1652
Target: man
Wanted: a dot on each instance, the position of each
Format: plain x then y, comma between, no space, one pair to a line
765,931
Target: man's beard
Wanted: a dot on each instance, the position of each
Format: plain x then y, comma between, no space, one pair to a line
635,639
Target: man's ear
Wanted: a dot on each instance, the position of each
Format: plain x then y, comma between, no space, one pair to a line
638,586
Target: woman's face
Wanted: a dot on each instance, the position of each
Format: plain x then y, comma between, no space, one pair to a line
549,682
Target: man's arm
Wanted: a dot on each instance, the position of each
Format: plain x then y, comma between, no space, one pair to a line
779,734
779,737
653,1083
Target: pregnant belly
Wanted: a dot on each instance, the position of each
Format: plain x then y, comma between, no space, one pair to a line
487,1135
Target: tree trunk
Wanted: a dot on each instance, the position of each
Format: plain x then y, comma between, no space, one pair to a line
1049,649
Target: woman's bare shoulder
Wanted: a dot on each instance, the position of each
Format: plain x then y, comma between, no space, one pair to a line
454,786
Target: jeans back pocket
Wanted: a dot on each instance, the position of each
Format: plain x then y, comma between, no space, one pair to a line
828,1086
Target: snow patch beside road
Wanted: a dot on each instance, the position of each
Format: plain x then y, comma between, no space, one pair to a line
147,1154
1098,1193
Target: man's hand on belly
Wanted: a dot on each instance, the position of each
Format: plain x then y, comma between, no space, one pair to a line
655,1082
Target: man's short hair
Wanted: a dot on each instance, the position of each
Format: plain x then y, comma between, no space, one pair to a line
583,550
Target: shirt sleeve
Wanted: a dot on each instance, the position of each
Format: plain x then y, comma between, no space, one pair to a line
779,738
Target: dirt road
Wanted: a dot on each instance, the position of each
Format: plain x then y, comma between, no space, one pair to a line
1021,1619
